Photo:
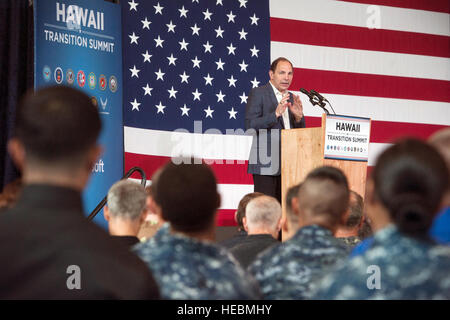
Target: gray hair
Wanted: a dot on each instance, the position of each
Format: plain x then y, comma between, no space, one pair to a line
263,212
126,199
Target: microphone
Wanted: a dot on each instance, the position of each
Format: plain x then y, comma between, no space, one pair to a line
304,91
322,98
314,99
318,95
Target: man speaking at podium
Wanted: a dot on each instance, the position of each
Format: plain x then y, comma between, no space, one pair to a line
270,108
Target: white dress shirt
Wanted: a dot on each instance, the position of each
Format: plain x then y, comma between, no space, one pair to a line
285,114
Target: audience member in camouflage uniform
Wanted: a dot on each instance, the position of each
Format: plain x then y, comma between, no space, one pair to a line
348,232
185,262
290,270
403,195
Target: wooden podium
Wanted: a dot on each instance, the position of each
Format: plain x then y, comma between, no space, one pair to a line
302,150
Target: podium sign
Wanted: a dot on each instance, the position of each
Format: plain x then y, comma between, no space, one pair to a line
347,138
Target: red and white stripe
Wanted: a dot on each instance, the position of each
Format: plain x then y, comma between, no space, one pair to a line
398,75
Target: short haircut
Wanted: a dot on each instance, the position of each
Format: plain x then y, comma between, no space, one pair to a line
356,206
291,194
240,213
126,200
325,193
263,211
275,62
57,123
410,179
187,195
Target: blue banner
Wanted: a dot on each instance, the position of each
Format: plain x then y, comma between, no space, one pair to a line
78,44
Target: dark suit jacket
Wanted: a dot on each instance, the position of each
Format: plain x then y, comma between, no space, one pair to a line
128,241
45,233
260,114
251,246
234,240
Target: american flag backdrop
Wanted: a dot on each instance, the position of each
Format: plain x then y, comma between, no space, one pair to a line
190,64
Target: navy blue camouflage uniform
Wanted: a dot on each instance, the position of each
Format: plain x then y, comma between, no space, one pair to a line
186,268
290,270
407,269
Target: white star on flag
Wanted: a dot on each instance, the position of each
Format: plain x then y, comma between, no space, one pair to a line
133,5
243,66
134,72
196,62
231,17
232,113
232,81
159,42
207,47
147,90
231,49
195,30
208,80
207,15
172,59
243,98
242,3
184,77
146,24
158,9
255,83
146,56
171,27
220,96
133,38
196,95
183,12
135,105
220,64
160,108
243,34
219,32
172,93
209,112
185,110
160,75
254,19
254,51
183,45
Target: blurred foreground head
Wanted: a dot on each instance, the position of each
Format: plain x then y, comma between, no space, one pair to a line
409,181
323,197
56,131
187,196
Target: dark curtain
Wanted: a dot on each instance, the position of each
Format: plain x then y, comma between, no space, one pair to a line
16,72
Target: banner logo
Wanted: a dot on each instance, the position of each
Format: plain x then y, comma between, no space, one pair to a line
113,84
103,104
92,81
102,81
81,78
70,76
59,75
46,72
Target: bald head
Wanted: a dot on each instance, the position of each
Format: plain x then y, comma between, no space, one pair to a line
263,214
324,196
